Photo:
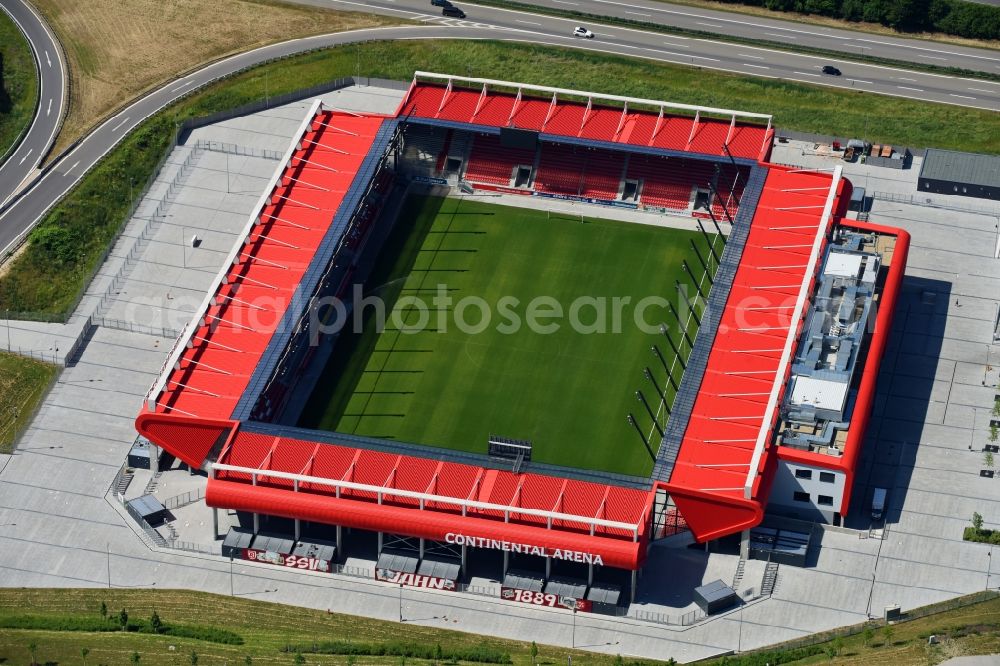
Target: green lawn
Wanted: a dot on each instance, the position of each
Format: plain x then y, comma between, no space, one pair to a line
568,390
22,384
18,83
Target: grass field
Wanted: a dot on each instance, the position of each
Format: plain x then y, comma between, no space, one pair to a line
566,387
22,384
117,50
265,629
18,83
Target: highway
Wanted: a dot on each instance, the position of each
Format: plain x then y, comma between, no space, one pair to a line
52,97
498,24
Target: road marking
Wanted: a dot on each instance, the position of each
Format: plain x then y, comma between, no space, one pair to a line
48,59
981,90
962,96
75,164
528,22
901,78
30,150
639,14
119,125
930,57
746,64
563,2
183,85
745,55
710,25
48,112
807,74
677,46
774,34
913,89
861,81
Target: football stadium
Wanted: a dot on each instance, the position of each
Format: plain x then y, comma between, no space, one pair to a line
391,361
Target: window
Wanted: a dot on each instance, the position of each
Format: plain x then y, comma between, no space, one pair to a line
801,497
827,477
825,500
803,474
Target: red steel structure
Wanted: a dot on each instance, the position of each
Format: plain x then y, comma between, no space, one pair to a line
722,473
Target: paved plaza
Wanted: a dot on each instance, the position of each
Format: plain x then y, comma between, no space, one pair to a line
61,524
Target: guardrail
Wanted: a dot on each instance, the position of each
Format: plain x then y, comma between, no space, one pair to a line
184,499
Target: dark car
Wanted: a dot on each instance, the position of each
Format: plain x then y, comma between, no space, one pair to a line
831,70
440,3
452,10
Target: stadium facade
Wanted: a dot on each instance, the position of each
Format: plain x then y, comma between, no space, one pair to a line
769,414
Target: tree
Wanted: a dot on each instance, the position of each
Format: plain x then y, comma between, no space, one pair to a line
83,653
123,619
868,634
618,660
887,632
534,652
134,658
996,407
32,646
104,611
977,522
837,645
988,460
994,432
193,658
155,622
299,659
248,660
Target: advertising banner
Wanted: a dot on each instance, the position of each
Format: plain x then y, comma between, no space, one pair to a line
289,561
414,580
543,599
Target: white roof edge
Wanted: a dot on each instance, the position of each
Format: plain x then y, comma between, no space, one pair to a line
181,343
581,93
428,497
788,349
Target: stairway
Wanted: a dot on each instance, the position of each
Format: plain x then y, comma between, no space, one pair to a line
738,576
770,579
123,482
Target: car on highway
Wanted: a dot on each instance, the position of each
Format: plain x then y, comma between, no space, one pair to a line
440,3
831,70
580,31
453,11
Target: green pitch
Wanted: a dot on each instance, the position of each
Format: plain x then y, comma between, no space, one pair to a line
567,391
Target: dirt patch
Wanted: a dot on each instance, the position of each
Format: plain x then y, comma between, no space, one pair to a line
118,49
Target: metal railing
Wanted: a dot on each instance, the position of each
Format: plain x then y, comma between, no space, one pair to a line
184,499
685,620
236,149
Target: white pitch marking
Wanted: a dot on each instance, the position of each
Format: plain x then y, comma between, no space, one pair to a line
119,125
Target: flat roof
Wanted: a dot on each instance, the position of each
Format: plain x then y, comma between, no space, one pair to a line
843,264
820,393
969,168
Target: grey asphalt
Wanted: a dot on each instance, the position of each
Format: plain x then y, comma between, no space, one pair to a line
52,94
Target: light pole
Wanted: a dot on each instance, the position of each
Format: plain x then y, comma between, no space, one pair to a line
574,629
109,565
232,591
400,603
989,567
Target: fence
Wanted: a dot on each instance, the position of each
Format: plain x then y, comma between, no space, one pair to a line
234,149
11,435
685,620
150,533
928,202
184,499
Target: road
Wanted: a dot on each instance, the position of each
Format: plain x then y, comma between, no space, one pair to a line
52,95
499,24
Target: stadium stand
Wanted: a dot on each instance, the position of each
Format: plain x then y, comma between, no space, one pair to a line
491,163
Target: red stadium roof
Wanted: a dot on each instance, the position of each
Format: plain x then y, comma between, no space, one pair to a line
388,492
440,99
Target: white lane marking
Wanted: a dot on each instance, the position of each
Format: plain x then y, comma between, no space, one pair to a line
75,164
807,74
677,46
961,96
639,14
981,90
903,78
861,81
119,125
920,48
913,89
710,25
30,150
48,59
746,55
774,34
563,2
183,85
921,55
746,64
527,22
48,111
